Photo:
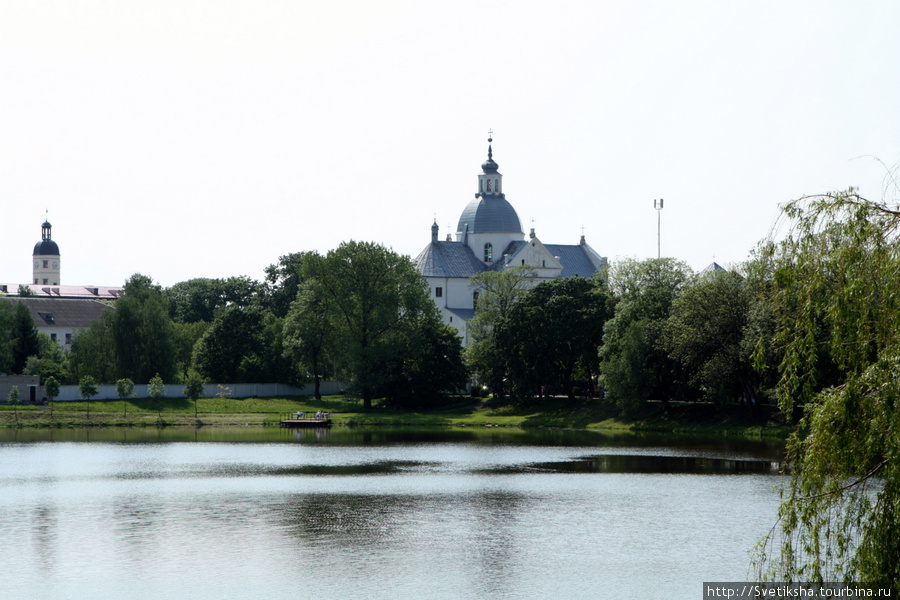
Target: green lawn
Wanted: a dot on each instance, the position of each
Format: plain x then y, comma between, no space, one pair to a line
462,412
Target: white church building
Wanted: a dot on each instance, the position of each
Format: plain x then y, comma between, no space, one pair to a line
489,237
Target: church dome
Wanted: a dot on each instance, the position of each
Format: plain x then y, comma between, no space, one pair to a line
46,247
489,214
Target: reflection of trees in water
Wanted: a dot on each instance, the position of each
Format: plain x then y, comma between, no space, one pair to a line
45,528
470,537
628,463
495,537
344,519
136,523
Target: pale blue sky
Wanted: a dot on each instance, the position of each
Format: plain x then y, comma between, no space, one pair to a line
204,139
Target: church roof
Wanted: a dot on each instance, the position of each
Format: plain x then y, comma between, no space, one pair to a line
712,268
577,260
489,214
448,259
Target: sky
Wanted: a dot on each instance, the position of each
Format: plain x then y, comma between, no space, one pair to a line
184,139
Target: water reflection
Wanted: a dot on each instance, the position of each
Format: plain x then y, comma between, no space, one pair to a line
387,436
626,463
447,514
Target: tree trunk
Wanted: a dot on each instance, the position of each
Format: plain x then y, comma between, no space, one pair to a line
666,406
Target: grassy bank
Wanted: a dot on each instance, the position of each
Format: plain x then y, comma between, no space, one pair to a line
695,419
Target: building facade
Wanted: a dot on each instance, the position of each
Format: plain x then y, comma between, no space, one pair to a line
489,237
61,318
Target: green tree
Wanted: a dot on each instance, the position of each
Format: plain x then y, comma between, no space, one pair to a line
7,312
424,363
13,399
51,388
307,333
193,389
202,298
125,389
374,293
186,337
283,281
241,345
93,351
634,364
142,332
157,390
51,361
835,301
705,333
496,291
552,334
25,337
87,387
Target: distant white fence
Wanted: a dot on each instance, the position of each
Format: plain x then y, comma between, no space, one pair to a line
210,390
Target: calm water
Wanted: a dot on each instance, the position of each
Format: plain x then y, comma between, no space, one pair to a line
347,514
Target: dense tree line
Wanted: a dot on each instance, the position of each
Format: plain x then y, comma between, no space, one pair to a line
360,313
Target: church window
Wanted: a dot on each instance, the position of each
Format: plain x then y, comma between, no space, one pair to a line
489,185
438,292
45,282
488,252
45,266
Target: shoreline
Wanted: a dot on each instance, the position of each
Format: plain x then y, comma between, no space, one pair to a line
689,419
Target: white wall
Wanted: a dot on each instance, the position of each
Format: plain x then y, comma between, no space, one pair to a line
210,390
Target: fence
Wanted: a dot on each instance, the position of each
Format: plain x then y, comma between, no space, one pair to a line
210,390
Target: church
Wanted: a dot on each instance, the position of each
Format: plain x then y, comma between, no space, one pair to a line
489,237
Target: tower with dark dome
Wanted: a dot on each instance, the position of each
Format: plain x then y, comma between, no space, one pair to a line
46,258
489,222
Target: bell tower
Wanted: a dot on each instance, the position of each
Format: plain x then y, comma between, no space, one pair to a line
46,259
490,181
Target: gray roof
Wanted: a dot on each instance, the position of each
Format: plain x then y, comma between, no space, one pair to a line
448,259
61,312
489,214
712,268
577,260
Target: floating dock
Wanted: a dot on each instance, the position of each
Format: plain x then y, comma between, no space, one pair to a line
295,423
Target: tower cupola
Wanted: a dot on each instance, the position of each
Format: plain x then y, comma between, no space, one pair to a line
46,258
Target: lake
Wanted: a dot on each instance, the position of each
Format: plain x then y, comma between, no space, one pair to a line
382,513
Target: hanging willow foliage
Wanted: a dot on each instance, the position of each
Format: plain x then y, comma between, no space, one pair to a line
836,300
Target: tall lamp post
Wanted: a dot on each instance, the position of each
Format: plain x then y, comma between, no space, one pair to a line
658,205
